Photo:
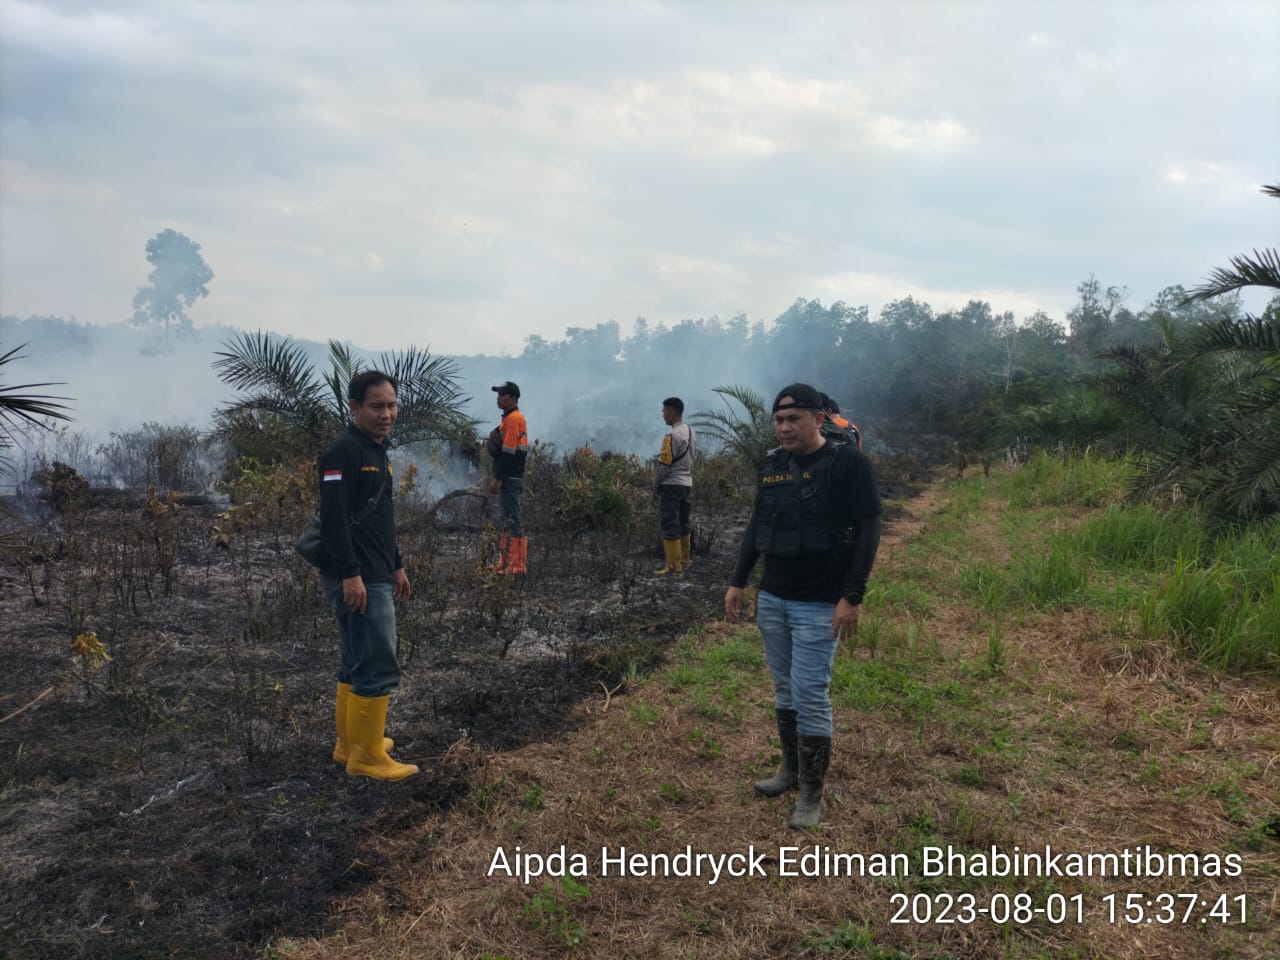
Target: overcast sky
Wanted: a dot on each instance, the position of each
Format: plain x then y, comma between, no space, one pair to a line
462,175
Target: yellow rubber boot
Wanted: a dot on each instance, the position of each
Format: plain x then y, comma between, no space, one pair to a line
343,748
671,550
366,721
686,550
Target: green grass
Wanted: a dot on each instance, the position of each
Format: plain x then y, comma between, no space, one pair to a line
716,676
1206,611
1158,575
1137,536
1087,481
987,586
1055,578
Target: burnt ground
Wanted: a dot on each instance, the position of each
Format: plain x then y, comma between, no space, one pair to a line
180,801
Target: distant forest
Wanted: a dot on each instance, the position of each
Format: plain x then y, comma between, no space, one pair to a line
981,378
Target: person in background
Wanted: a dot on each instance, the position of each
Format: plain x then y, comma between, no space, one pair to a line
509,446
816,521
363,574
850,430
673,480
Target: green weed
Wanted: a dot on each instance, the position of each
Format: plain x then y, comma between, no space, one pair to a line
1087,480
548,910
534,798
1053,578
852,939
984,583
644,715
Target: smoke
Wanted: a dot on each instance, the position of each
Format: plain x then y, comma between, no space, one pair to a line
571,395
112,384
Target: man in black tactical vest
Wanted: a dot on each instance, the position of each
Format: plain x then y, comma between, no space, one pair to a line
817,523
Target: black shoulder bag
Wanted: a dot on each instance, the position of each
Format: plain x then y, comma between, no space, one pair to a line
310,543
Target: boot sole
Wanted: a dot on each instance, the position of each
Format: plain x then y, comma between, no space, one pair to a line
771,791
381,777
795,825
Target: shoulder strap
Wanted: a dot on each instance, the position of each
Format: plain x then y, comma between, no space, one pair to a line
372,505
688,445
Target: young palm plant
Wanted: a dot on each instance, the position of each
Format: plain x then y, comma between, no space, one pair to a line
747,435
19,408
284,393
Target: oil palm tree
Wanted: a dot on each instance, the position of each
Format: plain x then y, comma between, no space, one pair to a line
283,392
1214,394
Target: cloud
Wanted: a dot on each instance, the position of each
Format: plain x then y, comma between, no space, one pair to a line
473,173
27,185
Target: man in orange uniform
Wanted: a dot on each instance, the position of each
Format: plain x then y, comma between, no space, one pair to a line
509,446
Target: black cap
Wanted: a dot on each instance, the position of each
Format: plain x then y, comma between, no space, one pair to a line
508,387
802,396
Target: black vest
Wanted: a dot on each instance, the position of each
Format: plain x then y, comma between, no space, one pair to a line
796,512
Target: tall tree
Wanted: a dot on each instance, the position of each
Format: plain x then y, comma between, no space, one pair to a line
1092,320
179,277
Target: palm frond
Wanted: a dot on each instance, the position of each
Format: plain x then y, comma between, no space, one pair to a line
430,399
1253,334
256,361
1252,484
281,382
747,436
307,419
1260,270
344,364
18,407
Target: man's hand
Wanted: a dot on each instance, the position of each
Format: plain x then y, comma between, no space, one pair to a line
733,604
844,622
495,486
354,594
402,590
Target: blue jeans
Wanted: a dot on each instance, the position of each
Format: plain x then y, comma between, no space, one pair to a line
800,648
509,503
368,658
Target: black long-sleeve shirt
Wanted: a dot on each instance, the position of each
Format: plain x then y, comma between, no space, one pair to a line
351,473
825,578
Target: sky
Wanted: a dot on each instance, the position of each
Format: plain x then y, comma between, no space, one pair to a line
460,176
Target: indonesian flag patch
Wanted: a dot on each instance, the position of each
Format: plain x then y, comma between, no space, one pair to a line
332,475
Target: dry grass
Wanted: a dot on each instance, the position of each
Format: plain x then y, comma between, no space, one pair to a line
1079,741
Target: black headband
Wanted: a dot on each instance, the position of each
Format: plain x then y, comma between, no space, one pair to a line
794,404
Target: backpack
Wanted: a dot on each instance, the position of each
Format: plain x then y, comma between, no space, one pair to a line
832,432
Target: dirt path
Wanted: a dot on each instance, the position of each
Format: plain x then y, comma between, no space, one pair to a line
1072,745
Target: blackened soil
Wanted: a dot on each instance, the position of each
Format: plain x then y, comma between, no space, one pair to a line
181,801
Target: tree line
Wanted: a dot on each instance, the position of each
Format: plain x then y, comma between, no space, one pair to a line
1189,383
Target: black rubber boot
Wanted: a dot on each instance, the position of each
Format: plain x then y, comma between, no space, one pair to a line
815,754
788,774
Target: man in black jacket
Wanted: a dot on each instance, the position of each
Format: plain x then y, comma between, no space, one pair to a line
817,522
363,575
